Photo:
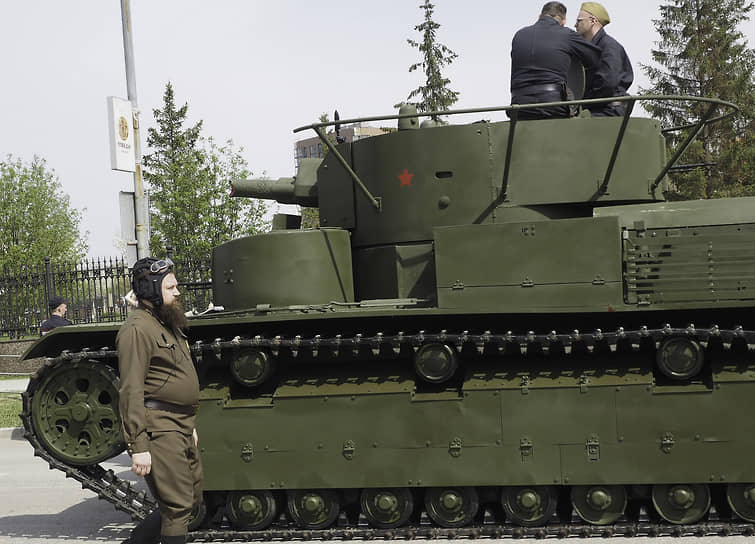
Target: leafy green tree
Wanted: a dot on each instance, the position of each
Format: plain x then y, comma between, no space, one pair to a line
188,176
37,218
230,217
435,94
701,52
310,218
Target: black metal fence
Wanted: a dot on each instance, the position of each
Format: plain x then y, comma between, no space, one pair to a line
94,288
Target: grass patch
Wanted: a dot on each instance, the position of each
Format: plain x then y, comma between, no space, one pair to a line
10,407
25,337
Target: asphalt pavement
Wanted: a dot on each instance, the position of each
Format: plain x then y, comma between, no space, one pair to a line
42,506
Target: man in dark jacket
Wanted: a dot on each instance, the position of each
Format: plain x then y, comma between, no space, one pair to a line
58,308
613,75
159,396
540,58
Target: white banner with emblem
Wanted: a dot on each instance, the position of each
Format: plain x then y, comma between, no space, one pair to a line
121,134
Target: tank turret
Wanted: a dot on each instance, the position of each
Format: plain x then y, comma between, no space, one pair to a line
394,193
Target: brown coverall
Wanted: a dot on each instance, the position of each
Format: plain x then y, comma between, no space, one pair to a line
155,364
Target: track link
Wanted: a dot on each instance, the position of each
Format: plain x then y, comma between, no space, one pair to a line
497,531
124,497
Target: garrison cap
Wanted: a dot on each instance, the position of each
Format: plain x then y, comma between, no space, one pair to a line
597,11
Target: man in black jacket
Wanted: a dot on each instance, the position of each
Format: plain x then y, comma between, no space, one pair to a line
540,58
58,308
613,75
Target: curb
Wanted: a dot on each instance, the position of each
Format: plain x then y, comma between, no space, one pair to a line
12,433
14,386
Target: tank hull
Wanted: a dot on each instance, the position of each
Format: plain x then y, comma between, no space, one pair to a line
502,324
352,428
346,413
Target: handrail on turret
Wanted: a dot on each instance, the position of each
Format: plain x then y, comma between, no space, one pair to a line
706,119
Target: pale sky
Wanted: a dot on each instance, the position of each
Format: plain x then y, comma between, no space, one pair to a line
252,70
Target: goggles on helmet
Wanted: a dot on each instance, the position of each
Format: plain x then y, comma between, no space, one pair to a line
161,266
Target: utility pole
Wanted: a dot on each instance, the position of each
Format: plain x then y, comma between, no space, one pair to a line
140,207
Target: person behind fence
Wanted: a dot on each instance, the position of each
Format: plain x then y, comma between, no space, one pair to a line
58,308
540,58
159,395
613,75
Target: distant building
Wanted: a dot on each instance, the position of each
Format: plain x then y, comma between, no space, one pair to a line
313,147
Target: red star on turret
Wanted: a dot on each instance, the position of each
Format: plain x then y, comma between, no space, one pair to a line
406,178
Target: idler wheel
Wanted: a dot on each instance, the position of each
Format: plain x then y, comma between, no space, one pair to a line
599,504
451,506
435,363
252,367
387,508
251,510
529,506
74,412
681,504
313,508
680,358
741,498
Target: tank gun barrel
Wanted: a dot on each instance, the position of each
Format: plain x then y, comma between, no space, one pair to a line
300,189
281,189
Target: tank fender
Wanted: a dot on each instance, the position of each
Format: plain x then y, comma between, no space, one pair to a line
72,338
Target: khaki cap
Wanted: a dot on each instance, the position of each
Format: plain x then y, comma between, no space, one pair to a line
597,11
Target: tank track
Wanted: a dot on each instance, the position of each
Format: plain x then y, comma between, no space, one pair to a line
527,344
497,531
117,491
123,495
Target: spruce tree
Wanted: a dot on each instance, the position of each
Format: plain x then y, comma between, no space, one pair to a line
188,176
174,171
701,52
435,94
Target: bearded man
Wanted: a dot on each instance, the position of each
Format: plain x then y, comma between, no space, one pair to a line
159,397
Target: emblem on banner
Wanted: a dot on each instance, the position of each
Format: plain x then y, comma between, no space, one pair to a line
123,128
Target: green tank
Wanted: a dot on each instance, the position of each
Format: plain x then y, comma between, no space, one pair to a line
500,328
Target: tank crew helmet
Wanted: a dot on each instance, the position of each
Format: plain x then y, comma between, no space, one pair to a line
147,278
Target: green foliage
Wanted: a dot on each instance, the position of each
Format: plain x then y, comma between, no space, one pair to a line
701,53
37,218
435,94
188,176
310,218
10,407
